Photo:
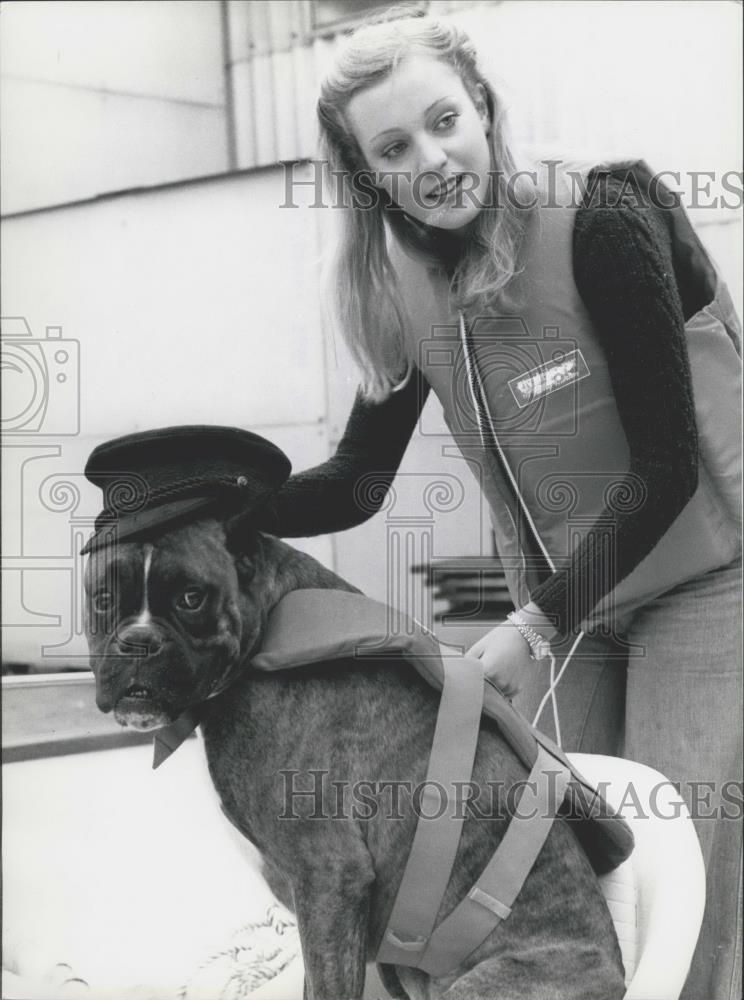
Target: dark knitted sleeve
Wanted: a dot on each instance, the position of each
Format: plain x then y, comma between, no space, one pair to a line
351,486
624,273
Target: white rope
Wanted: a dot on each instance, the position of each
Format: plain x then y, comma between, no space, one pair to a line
550,693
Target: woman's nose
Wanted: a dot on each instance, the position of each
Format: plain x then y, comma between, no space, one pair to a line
432,155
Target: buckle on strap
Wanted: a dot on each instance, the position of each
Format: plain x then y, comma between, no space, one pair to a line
490,902
412,944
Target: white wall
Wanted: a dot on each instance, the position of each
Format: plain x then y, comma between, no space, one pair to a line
199,301
193,304
109,95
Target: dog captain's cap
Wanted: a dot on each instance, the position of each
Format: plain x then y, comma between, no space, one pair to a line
156,478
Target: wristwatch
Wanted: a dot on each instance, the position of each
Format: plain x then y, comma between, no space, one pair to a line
539,645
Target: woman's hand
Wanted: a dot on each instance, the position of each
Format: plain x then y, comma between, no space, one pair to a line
505,654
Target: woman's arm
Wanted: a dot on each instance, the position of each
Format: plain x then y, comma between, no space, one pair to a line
624,273
324,499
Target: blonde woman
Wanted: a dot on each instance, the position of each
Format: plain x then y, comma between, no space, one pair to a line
575,329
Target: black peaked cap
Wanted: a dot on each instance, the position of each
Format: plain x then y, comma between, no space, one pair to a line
154,479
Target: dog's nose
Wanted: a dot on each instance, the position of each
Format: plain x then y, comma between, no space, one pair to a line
139,640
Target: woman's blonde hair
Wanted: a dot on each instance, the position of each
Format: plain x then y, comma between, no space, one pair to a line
359,281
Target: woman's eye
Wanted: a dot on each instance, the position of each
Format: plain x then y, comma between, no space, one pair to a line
191,599
103,602
396,149
447,121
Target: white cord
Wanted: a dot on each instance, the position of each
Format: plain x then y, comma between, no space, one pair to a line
554,700
550,693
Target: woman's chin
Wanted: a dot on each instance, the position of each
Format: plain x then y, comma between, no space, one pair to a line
449,217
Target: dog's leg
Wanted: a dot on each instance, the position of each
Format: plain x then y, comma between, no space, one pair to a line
332,904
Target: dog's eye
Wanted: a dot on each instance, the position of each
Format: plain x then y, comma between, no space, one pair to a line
191,599
103,602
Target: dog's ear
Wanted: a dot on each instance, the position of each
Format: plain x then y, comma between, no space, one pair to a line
241,529
246,568
242,542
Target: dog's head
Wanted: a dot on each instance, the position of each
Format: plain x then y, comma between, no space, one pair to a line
169,621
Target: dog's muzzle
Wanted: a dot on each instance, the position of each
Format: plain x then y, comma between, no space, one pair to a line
139,708
140,704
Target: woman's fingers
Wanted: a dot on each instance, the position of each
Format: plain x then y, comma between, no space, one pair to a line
486,642
506,681
503,653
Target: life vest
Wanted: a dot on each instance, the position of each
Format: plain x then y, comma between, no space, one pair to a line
313,626
545,441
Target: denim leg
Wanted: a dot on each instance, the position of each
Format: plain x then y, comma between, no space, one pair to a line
683,717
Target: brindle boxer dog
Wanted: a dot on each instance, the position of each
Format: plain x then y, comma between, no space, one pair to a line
186,611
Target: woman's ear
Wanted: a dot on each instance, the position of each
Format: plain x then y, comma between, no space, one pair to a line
481,106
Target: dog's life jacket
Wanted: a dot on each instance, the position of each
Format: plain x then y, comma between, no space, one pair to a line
312,626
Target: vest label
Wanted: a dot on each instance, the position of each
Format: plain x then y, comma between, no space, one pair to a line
555,374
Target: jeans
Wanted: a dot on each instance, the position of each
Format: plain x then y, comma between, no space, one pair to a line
667,692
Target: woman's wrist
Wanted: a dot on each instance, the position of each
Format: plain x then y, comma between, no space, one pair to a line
538,644
538,620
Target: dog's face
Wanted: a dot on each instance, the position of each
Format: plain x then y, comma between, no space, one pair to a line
166,623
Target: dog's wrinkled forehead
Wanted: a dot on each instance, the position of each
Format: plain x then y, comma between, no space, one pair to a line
195,552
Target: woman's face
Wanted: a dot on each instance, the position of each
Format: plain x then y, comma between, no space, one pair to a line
425,140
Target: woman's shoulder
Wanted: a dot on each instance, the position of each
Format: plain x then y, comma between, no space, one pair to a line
630,221
622,218
624,197
607,207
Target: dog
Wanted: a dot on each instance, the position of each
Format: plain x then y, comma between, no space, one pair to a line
171,620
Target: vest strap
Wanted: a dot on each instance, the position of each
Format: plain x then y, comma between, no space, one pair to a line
432,855
492,897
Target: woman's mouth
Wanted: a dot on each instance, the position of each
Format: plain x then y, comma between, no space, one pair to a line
443,192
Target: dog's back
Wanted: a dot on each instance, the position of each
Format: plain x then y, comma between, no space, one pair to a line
322,760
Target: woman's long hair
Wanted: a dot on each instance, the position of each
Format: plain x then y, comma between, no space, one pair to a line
360,285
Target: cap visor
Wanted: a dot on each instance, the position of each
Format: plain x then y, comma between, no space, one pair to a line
131,526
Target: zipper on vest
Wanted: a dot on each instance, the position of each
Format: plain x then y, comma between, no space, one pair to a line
490,440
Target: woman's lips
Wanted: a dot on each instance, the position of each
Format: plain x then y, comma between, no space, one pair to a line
442,192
